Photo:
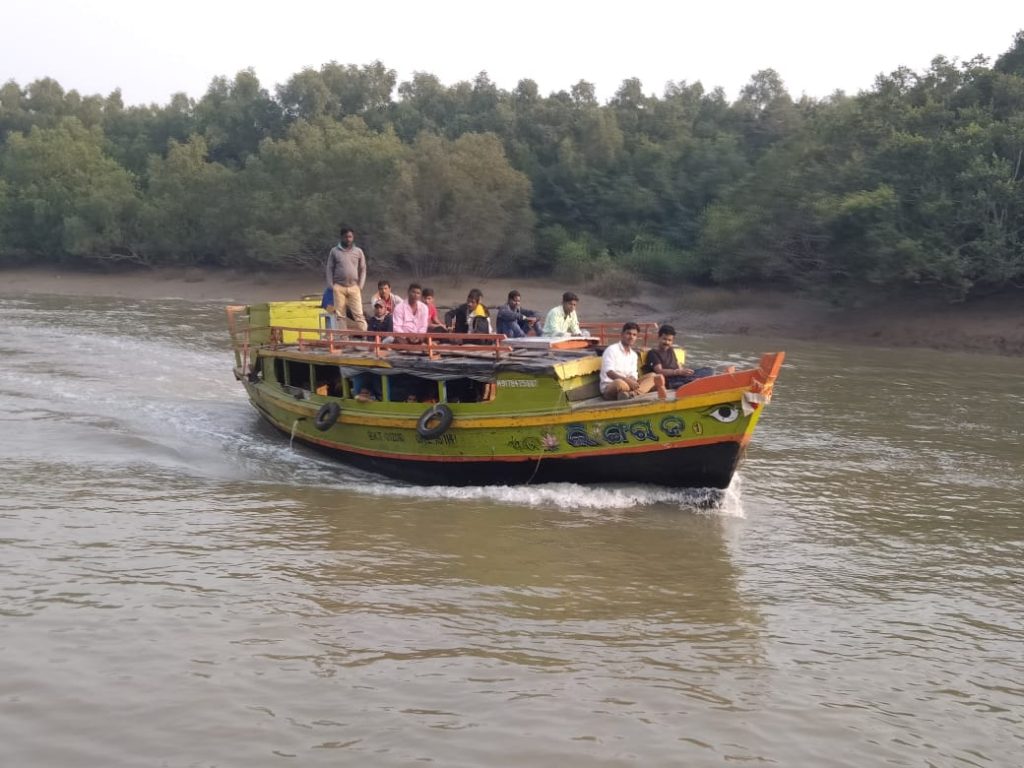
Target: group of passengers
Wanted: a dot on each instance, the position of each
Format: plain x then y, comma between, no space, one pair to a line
622,376
406,320
419,314
345,275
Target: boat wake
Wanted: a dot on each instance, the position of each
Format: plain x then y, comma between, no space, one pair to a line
309,468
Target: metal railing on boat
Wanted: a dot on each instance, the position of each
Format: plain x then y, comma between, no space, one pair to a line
432,345
609,332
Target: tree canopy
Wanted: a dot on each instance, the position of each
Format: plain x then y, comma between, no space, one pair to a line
914,185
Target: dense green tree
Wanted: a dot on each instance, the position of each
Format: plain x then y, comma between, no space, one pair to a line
65,197
235,116
339,91
914,185
188,216
301,188
472,209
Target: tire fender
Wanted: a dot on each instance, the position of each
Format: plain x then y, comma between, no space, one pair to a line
327,416
439,412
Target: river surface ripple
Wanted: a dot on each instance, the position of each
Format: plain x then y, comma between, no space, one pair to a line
180,587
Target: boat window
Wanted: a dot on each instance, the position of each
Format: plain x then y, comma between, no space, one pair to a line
279,370
297,374
405,388
327,380
469,391
365,386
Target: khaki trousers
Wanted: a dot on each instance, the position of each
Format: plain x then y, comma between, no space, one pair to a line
350,297
617,389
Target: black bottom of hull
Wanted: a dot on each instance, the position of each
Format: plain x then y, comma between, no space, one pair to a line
701,466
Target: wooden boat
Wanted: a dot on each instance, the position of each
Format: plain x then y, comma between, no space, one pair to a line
480,409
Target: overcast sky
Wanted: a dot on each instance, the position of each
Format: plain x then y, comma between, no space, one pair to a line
151,50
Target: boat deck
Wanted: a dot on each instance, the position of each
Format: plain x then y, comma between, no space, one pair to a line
599,403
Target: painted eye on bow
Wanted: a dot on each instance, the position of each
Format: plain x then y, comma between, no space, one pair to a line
725,413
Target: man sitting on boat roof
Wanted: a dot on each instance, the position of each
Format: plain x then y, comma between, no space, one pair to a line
380,321
471,317
669,361
411,316
386,295
562,320
433,321
619,366
514,321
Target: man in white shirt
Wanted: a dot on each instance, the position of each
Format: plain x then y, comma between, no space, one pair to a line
411,316
620,365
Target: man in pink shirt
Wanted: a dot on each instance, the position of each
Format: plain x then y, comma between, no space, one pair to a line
410,317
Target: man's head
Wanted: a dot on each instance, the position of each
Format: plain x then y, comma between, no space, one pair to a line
383,288
514,299
379,310
569,302
415,293
630,332
428,295
347,236
474,298
666,337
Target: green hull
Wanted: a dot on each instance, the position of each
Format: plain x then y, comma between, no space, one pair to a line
512,415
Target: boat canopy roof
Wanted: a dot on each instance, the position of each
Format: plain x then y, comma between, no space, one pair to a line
561,364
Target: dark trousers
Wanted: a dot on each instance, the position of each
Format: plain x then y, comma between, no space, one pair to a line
674,382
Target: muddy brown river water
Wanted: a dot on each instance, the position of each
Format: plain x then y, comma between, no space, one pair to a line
180,587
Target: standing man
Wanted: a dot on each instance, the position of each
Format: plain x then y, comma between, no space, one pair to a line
411,316
346,273
619,369
562,321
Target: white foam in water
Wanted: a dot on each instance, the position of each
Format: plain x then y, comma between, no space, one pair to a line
558,495
731,504
270,458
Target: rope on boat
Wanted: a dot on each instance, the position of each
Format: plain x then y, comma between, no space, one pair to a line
541,454
536,467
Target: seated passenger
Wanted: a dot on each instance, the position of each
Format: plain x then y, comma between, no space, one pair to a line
411,316
669,361
366,387
619,366
384,294
434,324
380,321
514,321
471,317
562,320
